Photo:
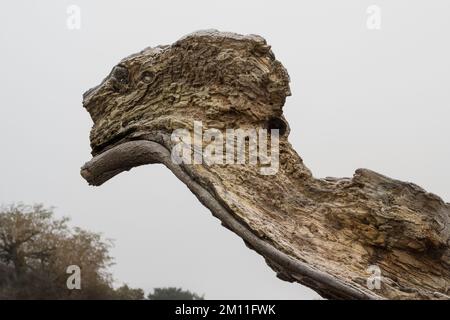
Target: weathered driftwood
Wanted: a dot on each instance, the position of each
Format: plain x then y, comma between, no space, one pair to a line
324,233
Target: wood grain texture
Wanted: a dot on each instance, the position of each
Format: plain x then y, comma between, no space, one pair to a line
323,233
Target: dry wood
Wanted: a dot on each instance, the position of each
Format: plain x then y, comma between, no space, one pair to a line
324,233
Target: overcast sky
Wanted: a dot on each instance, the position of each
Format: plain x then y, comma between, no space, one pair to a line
377,99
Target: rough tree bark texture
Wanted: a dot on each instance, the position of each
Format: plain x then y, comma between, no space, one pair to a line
323,233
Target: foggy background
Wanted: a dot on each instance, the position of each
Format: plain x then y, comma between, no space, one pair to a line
377,99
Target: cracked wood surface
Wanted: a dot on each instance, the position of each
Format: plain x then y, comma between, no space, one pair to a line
323,233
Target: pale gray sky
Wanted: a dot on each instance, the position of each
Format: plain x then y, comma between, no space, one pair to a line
378,99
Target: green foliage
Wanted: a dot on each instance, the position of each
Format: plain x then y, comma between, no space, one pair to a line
172,293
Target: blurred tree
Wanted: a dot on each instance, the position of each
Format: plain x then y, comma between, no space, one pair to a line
126,293
172,293
27,236
36,249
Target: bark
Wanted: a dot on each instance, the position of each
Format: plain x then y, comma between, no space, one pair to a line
323,233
